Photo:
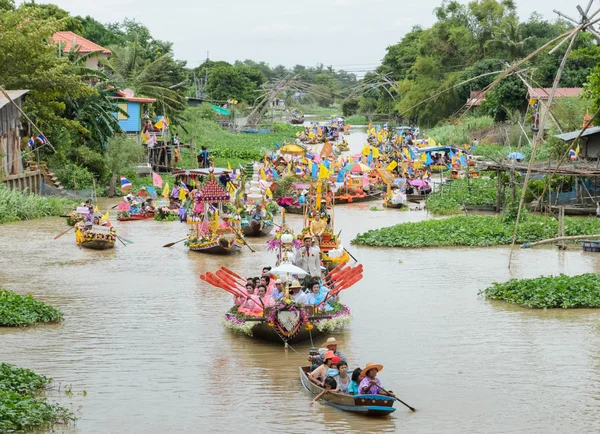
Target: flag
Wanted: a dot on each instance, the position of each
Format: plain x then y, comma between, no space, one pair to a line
431,142
182,193
31,142
392,165
157,180
166,191
298,171
263,175
105,216
41,138
124,206
462,159
231,188
428,159
275,174
228,166
323,172
125,184
268,193
370,159
315,171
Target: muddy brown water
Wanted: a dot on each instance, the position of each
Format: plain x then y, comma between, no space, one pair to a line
142,336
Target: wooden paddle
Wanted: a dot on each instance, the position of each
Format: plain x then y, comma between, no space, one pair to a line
351,255
64,232
172,244
231,273
398,399
126,240
121,240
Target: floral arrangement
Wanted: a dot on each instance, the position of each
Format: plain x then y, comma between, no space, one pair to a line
164,214
74,217
88,235
123,215
238,325
344,257
275,243
340,316
194,240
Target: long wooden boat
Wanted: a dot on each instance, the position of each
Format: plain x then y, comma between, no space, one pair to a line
97,244
253,228
219,245
356,198
294,209
393,205
369,405
136,217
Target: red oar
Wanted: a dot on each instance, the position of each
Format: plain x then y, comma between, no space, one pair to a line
234,291
346,273
335,270
228,279
228,271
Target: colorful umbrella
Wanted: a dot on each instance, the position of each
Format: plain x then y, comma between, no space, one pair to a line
356,167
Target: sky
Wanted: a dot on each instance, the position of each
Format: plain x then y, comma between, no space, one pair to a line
346,34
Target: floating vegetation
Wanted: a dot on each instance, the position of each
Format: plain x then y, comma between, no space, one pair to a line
24,310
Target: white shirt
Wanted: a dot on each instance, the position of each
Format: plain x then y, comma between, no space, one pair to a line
300,297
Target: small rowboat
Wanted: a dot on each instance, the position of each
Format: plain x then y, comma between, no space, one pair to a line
253,228
369,405
219,245
136,217
393,205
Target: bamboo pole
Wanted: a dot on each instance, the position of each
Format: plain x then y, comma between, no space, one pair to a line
551,240
537,141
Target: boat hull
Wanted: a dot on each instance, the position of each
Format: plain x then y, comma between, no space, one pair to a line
294,210
368,405
135,217
253,229
263,332
97,245
394,205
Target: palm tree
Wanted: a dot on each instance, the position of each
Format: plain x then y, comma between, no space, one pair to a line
509,38
162,78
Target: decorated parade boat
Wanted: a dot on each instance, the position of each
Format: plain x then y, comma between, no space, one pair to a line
286,321
253,224
370,405
95,237
210,228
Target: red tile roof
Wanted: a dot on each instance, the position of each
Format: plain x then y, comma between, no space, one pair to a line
561,92
70,39
122,95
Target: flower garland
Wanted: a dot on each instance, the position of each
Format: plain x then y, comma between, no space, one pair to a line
275,242
238,325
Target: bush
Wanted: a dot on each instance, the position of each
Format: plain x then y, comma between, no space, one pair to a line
549,292
20,407
24,310
73,176
460,134
356,120
18,205
350,106
451,197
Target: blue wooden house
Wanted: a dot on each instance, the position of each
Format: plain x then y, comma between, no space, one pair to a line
134,107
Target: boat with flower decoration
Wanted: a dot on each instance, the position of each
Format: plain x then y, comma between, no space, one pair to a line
95,237
286,320
256,197
211,229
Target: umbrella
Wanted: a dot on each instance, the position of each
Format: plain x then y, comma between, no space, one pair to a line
515,156
419,183
356,167
293,149
288,269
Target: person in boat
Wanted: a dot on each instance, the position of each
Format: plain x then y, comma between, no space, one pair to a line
333,370
317,294
175,191
150,208
259,213
224,179
239,301
308,258
265,280
370,385
357,377
263,298
318,375
331,344
343,379
266,270
317,226
278,290
330,385
296,293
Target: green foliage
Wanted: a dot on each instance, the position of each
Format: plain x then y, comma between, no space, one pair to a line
73,176
356,120
17,205
548,292
21,409
480,231
228,147
451,198
460,134
121,155
24,310
350,106
284,186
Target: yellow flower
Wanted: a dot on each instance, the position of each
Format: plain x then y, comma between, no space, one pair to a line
271,324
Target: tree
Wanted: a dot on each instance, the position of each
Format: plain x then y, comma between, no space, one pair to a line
227,82
122,154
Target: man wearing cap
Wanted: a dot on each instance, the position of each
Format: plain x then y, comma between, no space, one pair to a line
308,258
331,345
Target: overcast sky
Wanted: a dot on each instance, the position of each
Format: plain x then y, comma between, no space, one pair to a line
347,34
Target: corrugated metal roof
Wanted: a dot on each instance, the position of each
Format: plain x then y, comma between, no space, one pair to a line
13,94
573,134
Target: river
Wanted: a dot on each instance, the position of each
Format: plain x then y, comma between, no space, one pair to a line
142,336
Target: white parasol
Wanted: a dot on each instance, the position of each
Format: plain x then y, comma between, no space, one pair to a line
288,269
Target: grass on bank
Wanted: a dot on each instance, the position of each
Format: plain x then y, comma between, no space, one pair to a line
549,291
22,408
24,310
18,205
477,231
452,197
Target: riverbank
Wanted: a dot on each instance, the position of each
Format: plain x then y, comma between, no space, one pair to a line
474,231
451,198
18,205
18,310
548,292
22,408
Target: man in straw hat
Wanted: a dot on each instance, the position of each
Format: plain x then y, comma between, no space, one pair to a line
308,258
331,344
370,385
297,294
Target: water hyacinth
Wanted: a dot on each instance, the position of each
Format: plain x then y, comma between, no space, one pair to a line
549,291
18,205
23,310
